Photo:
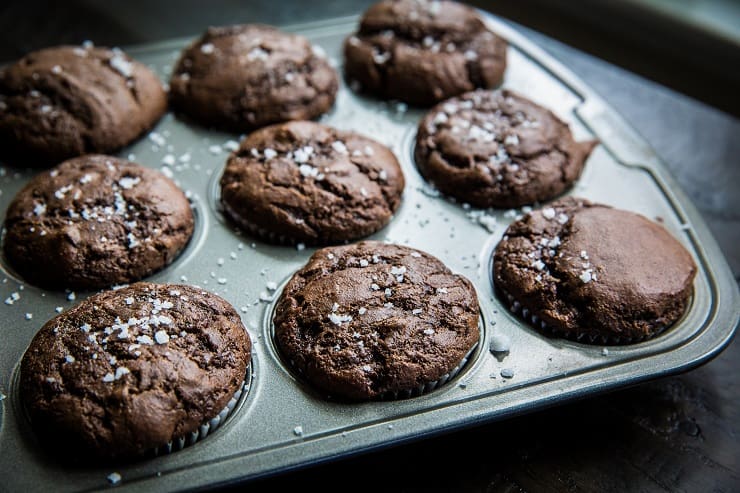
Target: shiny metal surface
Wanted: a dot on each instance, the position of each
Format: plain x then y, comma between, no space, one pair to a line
282,424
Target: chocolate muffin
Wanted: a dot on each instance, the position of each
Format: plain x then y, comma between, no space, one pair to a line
95,221
247,76
589,272
307,182
423,52
66,101
128,371
498,149
373,320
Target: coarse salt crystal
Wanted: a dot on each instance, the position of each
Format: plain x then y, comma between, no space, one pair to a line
500,343
338,319
548,213
339,146
207,48
161,337
269,153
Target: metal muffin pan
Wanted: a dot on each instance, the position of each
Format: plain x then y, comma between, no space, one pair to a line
281,423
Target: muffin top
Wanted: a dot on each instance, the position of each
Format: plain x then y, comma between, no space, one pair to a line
247,76
423,52
129,370
66,101
498,149
371,319
95,221
307,182
588,270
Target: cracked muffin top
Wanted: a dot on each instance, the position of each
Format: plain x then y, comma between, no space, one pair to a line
371,319
310,183
243,77
95,221
66,101
423,51
498,149
129,370
594,273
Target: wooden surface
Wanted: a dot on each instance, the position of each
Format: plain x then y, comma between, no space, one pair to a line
675,434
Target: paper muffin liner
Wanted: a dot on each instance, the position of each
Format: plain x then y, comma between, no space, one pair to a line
429,386
203,430
416,391
582,336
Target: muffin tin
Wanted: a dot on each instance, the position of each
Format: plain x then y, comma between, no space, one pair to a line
281,423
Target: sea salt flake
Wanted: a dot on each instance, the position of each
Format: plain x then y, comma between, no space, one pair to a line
416,311
161,337
548,213
207,48
145,339
562,218
109,377
127,182
302,154
121,371
428,331
120,64
586,276
257,54
362,310
339,146
538,264
269,153
470,55
69,358
441,290
114,478
338,319
298,431
374,287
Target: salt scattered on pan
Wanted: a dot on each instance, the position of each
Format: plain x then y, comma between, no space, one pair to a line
114,478
231,145
604,352
71,296
300,247
500,343
214,149
271,285
507,373
298,431
265,297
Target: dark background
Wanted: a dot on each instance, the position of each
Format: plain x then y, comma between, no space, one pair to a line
675,434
